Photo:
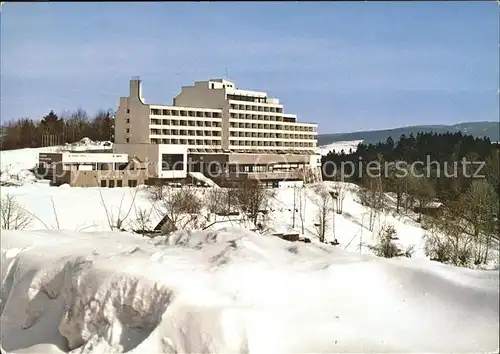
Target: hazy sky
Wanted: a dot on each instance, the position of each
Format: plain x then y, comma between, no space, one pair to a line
346,66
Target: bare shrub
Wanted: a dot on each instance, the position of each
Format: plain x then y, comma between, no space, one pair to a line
181,207
478,207
142,220
156,191
386,247
371,194
446,242
324,207
13,216
117,222
340,190
220,200
252,198
302,194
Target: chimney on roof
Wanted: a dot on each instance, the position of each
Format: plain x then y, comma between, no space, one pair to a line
136,88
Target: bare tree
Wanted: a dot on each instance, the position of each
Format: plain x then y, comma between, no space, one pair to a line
371,194
182,208
252,198
116,223
220,200
156,191
493,170
302,206
446,242
340,190
479,208
75,124
423,191
55,213
13,216
398,181
324,211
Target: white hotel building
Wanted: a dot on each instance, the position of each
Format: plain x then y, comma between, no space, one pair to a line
218,128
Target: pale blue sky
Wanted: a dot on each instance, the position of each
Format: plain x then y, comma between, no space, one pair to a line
347,66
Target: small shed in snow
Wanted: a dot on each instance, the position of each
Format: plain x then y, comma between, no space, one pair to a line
433,208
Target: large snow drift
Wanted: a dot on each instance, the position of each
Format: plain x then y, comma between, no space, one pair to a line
16,165
233,291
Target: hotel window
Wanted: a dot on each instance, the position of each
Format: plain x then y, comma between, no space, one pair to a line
172,162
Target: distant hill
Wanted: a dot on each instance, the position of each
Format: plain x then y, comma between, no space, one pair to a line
477,129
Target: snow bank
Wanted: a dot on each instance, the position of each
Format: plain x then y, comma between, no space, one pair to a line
233,291
339,146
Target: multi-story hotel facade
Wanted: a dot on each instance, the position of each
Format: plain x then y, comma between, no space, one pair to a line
212,130
224,130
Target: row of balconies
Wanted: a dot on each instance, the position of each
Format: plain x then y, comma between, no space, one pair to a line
185,132
238,134
256,108
234,123
247,134
184,113
288,175
262,117
249,125
180,141
186,123
272,143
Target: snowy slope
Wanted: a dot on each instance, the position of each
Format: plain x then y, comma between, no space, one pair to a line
82,209
64,205
339,146
233,291
15,164
351,227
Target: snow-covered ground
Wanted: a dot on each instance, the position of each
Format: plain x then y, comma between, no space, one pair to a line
83,209
338,146
233,291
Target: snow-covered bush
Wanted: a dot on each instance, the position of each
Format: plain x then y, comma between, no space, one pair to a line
386,247
181,208
446,242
